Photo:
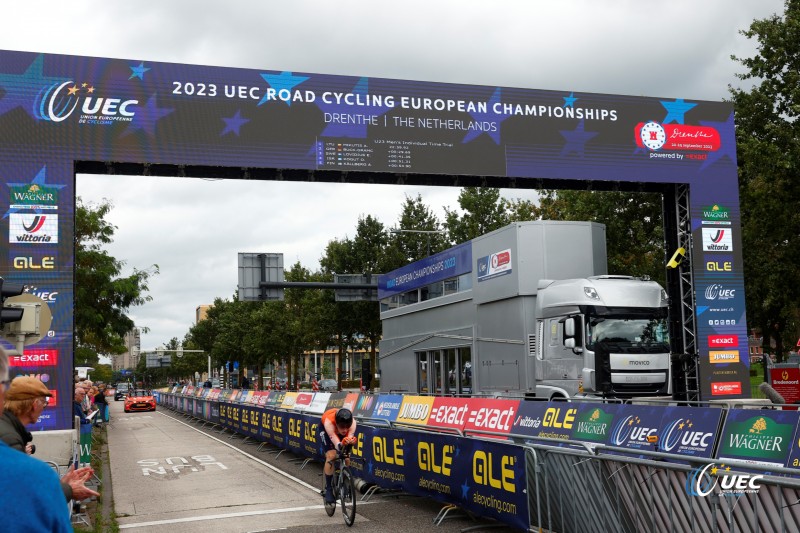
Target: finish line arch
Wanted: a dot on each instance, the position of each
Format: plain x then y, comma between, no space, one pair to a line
62,115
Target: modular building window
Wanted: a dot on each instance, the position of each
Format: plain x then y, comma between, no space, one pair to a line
422,372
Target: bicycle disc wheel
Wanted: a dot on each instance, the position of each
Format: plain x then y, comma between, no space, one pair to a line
330,508
348,497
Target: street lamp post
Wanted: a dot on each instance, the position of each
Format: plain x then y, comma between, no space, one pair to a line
427,232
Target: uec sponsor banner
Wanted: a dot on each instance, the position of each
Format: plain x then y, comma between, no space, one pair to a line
690,431
636,427
762,438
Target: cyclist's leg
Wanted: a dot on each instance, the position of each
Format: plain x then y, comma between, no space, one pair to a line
330,457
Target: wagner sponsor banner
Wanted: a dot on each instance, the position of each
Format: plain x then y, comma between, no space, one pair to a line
491,415
415,409
762,438
449,412
593,422
690,431
786,381
387,406
365,405
494,265
319,403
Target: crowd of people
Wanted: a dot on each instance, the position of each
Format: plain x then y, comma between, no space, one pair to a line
90,403
31,488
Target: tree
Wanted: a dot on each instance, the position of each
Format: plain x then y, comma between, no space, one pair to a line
634,226
102,296
768,143
484,211
407,247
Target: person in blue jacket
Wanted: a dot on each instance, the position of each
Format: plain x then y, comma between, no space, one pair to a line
32,497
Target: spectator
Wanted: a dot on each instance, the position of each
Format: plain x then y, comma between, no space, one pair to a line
24,402
31,492
102,404
77,405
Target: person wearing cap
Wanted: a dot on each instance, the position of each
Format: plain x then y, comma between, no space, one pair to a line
30,488
24,402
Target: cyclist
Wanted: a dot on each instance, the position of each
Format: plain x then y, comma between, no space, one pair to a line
339,430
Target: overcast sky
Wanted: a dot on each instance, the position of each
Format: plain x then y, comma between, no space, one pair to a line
194,228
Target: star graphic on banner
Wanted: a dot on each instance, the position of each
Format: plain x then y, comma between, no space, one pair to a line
465,491
486,117
284,80
727,141
21,90
233,124
675,110
358,131
147,116
138,72
576,139
369,468
39,179
569,101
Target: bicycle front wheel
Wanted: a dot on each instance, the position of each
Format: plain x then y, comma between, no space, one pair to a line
348,497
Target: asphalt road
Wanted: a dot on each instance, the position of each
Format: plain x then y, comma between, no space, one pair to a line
169,474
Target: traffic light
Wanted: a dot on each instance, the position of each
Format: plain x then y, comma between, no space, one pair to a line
10,314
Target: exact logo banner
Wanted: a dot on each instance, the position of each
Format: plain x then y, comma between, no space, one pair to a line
495,265
33,357
32,229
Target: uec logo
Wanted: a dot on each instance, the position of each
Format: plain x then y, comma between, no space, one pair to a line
58,104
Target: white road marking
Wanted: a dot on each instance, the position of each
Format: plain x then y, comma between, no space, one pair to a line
220,516
254,458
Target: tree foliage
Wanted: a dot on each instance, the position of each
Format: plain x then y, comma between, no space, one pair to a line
103,296
768,145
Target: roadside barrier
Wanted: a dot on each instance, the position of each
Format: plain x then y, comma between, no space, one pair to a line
563,466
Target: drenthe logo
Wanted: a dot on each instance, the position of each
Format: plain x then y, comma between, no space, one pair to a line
58,102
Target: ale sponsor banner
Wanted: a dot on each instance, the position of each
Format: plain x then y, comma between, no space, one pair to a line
761,437
545,420
274,427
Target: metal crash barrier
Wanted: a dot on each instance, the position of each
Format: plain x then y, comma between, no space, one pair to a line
535,465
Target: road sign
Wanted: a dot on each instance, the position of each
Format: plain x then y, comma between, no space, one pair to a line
255,268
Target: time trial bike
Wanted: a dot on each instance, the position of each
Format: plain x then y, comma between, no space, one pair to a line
344,489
